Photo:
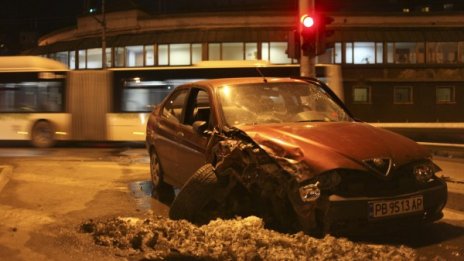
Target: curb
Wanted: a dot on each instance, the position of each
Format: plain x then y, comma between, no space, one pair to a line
5,174
455,201
455,196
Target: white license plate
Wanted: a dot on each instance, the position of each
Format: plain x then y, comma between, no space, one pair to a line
386,208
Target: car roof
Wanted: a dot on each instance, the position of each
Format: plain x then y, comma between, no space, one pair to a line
214,83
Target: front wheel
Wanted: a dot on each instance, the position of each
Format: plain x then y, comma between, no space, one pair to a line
43,134
193,199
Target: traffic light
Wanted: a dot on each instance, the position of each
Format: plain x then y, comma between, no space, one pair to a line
293,45
308,30
323,33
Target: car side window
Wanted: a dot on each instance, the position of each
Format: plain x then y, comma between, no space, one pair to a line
173,108
200,107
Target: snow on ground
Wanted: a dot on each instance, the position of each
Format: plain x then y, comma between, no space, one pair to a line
160,238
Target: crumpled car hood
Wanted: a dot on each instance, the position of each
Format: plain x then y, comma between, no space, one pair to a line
326,146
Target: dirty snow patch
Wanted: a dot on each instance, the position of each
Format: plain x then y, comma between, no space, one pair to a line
158,238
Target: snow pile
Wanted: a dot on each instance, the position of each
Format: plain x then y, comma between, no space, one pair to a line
158,238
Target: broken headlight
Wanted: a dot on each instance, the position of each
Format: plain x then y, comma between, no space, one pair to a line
326,181
309,192
425,171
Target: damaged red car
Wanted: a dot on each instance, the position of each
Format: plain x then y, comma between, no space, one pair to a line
286,150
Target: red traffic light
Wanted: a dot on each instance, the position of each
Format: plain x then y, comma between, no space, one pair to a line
307,21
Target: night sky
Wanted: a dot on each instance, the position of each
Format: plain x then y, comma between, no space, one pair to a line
38,15
45,16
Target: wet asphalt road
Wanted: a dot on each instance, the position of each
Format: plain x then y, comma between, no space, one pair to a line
52,191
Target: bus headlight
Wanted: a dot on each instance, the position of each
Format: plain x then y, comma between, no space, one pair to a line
424,171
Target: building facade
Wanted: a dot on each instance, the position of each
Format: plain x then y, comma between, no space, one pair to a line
397,67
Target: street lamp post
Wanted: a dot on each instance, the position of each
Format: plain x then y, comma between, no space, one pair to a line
103,23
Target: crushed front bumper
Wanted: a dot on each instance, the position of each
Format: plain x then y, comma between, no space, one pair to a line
353,215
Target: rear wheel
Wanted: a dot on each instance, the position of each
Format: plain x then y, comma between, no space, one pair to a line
161,190
43,134
194,199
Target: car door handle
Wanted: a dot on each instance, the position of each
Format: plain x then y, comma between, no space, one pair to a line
180,134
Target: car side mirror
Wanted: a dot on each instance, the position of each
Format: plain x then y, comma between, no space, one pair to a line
200,127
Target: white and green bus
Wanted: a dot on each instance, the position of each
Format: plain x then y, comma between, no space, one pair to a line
44,102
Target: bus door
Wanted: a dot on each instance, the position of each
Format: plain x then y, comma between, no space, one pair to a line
89,100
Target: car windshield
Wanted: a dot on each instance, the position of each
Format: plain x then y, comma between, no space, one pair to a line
283,102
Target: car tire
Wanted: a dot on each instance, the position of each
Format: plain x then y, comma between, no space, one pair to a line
43,134
162,191
194,197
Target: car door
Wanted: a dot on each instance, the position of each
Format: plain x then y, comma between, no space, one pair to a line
193,145
166,140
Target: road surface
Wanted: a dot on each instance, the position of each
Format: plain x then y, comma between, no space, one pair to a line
52,191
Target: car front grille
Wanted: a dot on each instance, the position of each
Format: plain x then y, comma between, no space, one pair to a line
366,184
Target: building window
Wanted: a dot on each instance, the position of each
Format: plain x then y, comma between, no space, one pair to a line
179,54
62,57
251,51
362,94
109,57
72,60
406,53
446,52
149,55
196,53
163,54
338,53
174,54
364,52
134,56
94,58
348,52
232,51
390,53
265,51
214,51
275,52
379,52
402,95
119,57
445,94
82,59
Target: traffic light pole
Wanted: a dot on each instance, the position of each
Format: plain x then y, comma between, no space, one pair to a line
307,63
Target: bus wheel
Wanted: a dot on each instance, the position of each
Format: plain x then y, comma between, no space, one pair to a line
162,191
43,134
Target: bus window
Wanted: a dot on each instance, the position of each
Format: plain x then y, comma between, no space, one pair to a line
32,100
139,96
31,96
